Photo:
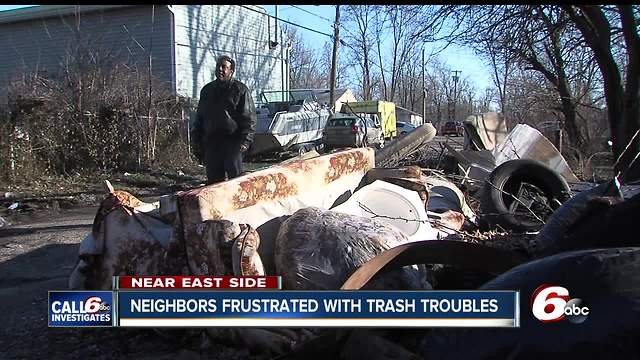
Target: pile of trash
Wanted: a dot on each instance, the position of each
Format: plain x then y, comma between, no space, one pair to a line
337,221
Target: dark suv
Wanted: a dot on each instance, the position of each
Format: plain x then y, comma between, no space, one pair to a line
452,128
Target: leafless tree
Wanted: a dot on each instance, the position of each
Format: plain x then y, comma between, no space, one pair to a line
603,27
307,66
401,24
560,43
359,36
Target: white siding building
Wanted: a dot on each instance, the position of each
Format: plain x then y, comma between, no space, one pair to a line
183,41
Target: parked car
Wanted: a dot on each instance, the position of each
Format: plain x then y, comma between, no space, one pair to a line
452,128
347,130
403,128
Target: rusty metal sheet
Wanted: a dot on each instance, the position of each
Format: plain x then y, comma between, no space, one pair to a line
525,142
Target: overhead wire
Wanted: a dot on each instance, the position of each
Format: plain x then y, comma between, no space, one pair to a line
311,13
287,22
342,26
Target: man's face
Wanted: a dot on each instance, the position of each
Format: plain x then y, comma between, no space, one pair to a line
223,70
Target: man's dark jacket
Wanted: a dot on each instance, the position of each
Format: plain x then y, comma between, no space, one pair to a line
224,109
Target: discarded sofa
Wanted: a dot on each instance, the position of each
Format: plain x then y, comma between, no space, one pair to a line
192,232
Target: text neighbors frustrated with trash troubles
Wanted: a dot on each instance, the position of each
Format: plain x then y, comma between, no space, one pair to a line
153,303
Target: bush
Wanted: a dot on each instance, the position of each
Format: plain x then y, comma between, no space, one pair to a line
91,116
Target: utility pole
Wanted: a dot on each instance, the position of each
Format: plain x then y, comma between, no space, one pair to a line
487,99
424,93
455,91
334,60
282,92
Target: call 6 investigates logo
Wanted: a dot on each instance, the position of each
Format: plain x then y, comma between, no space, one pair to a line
551,303
80,308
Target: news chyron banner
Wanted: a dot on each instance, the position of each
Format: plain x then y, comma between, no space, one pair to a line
201,301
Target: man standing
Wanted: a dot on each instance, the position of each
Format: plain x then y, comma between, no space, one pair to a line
225,123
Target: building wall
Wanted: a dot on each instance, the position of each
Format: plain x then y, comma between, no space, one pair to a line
43,42
348,96
189,37
205,32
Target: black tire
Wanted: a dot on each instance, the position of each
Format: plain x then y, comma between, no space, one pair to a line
302,150
506,179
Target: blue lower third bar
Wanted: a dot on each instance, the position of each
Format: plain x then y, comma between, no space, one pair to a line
319,309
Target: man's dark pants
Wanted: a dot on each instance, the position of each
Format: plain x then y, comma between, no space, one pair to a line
222,155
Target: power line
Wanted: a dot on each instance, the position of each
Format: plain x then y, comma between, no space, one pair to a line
287,22
310,13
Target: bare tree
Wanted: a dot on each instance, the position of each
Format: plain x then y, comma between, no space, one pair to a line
555,41
600,26
306,67
502,63
359,35
402,21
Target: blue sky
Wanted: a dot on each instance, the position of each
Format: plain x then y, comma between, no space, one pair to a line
321,19
455,57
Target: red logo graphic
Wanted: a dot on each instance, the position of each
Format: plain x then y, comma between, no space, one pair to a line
551,303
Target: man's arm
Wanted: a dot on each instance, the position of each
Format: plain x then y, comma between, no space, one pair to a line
196,130
247,114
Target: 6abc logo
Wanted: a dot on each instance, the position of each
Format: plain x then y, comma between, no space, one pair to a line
551,303
94,304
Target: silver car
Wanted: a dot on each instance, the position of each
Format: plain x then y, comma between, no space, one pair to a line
348,130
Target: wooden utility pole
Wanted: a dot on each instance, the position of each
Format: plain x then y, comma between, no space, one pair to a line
424,93
334,60
455,92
